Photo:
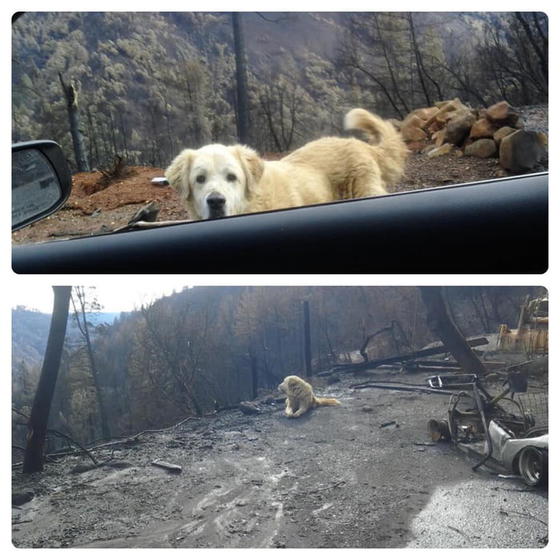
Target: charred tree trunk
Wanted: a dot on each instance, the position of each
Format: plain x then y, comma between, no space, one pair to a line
419,62
105,431
254,375
241,78
540,47
37,428
307,340
82,322
441,324
389,65
71,96
421,68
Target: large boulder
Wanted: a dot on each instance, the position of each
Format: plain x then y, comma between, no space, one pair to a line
425,113
522,150
412,133
482,128
543,139
412,119
482,148
502,132
502,113
458,127
445,108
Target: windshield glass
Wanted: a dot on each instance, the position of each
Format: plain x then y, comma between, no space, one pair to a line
225,107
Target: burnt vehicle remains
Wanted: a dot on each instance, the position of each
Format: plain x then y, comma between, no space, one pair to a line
507,432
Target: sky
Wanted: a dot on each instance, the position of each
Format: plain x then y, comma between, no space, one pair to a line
113,296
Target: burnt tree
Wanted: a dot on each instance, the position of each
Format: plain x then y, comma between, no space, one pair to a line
242,111
79,303
38,420
443,326
71,96
307,340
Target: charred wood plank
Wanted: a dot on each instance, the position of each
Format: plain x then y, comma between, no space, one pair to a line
167,466
439,349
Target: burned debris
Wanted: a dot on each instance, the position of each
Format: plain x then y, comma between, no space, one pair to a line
507,432
405,361
494,414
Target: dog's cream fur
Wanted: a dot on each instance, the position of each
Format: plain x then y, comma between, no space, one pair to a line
324,170
300,396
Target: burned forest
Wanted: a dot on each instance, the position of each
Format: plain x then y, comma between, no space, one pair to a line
188,384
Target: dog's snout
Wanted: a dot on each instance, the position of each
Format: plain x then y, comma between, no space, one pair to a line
216,201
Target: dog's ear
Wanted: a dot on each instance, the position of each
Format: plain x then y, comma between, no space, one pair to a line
178,173
252,164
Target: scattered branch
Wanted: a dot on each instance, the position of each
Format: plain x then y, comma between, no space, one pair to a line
73,442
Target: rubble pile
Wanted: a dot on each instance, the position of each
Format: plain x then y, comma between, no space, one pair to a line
450,127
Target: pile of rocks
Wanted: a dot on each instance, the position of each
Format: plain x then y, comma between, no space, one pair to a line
497,131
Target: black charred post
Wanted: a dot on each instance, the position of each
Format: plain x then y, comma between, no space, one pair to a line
254,376
71,96
307,340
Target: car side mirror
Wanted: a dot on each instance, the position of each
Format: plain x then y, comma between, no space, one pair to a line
41,181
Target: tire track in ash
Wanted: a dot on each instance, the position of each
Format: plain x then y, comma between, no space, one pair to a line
242,506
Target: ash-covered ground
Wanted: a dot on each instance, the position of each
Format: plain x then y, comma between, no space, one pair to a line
364,474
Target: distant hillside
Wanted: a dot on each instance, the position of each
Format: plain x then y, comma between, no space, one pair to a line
30,330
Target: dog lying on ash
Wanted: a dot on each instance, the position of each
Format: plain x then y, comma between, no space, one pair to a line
300,397
218,180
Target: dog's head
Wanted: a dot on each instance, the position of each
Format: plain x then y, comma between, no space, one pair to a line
290,384
215,180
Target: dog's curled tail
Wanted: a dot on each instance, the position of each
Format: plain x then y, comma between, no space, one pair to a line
326,401
384,136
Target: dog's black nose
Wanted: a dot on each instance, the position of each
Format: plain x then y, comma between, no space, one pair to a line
216,201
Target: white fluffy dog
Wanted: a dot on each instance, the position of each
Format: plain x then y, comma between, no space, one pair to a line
300,397
218,180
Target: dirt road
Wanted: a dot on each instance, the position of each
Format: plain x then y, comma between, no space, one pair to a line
360,475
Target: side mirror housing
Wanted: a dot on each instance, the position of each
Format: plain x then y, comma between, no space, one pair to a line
41,181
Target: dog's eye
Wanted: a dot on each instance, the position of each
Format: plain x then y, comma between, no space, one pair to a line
231,177
200,178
